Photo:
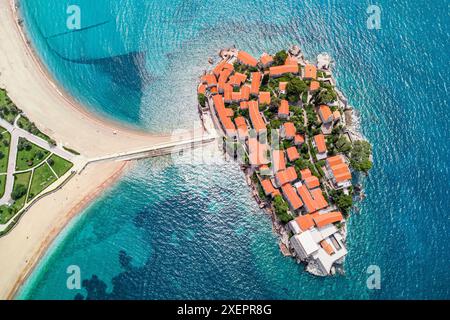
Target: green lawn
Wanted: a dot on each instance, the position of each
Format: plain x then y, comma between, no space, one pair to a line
29,155
5,140
2,184
42,178
24,179
8,109
59,165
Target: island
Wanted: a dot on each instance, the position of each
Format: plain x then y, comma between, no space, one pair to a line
298,141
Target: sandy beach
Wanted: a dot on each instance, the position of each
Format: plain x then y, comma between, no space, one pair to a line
55,113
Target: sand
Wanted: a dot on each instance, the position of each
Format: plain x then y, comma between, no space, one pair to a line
55,113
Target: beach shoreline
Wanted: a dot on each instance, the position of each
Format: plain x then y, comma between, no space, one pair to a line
115,171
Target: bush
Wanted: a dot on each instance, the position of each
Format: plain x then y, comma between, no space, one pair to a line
360,155
281,209
280,57
19,191
202,99
295,88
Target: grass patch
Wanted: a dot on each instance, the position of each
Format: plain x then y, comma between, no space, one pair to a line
25,123
7,212
8,109
2,184
29,155
59,165
42,178
5,141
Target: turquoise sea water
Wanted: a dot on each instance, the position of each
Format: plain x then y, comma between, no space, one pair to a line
193,231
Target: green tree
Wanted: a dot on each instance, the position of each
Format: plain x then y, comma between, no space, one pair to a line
19,191
280,57
295,88
201,99
281,209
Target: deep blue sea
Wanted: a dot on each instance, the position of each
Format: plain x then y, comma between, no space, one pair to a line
186,231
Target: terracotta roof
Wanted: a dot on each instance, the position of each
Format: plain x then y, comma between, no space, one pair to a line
285,176
228,92
266,59
245,92
307,198
291,61
280,70
292,154
319,139
223,77
324,219
319,201
299,139
201,89
327,247
314,85
325,113
265,170
305,173
237,79
257,152
284,108
267,187
278,160
339,168
243,105
255,116
305,222
246,58
264,97
224,115
310,71
291,196
311,182
209,79
256,83
241,126
282,86
336,115
289,129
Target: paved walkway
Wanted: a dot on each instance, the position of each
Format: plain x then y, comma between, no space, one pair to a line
17,133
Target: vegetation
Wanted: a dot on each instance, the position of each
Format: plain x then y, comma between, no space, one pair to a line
59,165
71,151
280,58
43,177
281,209
8,110
360,156
343,201
29,154
2,184
24,123
295,88
202,99
5,137
325,95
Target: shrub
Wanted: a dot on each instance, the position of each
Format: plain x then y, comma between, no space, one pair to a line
19,191
281,209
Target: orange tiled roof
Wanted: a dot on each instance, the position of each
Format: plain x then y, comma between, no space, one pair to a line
255,116
224,115
241,126
221,66
314,85
282,86
264,97
256,83
284,108
319,200
339,168
257,152
305,222
285,176
291,61
319,139
201,89
246,58
324,219
299,139
311,182
289,129
267,186
305,173
280,70
336,115
245,92
223,77
307,198
327,247
266,59
209,79
243,105
310,71
278,160
292,154
291,196
325,113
